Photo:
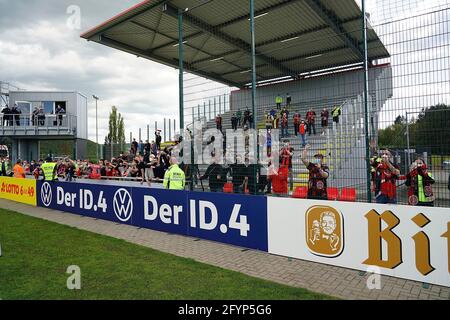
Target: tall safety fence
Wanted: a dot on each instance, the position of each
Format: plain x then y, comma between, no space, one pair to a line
316,90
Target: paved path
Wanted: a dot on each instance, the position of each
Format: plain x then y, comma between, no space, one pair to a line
339,282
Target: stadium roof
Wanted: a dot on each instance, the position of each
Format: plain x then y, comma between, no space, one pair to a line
293,37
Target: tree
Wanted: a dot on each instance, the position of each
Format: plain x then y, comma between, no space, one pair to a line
392,136
121,132
430,130
116,135
400,120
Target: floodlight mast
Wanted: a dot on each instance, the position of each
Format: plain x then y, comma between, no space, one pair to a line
96,124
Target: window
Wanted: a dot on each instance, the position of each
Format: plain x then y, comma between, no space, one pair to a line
24,107
49,107
62,104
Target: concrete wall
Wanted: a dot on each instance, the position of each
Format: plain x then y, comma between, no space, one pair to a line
322,90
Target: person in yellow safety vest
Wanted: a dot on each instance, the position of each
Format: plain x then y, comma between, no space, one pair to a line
276,121
419,181
174,179
278,101
49,170
336,113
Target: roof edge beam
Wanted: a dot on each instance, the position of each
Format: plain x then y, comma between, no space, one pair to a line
101,28
271,80
321,52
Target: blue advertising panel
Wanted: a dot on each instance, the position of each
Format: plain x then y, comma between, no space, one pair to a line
160,210
111,203
240,220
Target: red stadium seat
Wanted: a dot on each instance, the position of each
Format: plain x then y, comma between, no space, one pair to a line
300,193
228,188
333,193
348,194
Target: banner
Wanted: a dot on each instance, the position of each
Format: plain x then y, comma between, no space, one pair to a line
19,190
400,241
232,219
394,240
102,202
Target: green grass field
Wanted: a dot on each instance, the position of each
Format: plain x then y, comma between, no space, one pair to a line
37,253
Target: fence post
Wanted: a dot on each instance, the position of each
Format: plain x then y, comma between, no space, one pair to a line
255,118
366,97
408,155
181,68
204,109
165,130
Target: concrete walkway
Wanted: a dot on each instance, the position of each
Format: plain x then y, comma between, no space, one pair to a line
335,281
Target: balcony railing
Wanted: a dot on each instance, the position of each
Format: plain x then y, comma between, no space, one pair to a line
41,125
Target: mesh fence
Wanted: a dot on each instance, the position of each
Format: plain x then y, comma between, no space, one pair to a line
340,100
313,92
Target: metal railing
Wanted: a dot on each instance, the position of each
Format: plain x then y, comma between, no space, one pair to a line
48,124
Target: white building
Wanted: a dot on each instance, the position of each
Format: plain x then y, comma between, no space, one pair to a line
26,129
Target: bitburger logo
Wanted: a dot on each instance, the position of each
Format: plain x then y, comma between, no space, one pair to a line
325,231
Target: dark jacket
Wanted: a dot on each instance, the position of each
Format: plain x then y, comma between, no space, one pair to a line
237,173
252,172
3,168
6,113
216,176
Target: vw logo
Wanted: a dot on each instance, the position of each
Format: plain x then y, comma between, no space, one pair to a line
46,194
123,205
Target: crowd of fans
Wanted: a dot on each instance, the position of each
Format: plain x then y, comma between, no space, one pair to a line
238,177
145,162
149,162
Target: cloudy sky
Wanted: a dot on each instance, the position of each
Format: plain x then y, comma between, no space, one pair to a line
38,51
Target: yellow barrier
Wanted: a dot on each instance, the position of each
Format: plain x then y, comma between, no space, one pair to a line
437,160
18,190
